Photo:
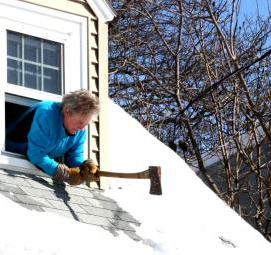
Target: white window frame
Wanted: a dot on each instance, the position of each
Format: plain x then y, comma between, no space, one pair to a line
49,24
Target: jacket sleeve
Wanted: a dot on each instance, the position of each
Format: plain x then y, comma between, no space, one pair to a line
75,156
38,141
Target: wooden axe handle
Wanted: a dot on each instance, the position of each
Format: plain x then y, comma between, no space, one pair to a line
139,175
153,173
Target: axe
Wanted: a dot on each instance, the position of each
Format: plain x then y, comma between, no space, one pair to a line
153,173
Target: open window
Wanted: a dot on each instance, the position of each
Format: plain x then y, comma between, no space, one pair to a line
18,120
43,55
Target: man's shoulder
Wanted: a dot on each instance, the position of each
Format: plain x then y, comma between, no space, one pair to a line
48,106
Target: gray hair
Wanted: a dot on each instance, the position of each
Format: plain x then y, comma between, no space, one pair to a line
81,101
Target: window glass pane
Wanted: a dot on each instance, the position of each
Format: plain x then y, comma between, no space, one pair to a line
34,62
32,76
51,53
14,73
32,49
51,81
14,45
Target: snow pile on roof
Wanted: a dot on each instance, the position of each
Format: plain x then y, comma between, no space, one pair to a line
187,218
28,232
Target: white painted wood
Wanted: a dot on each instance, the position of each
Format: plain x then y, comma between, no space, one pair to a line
19,165
103,9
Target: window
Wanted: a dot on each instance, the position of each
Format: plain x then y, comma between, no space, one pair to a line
18,120
34,62
43,55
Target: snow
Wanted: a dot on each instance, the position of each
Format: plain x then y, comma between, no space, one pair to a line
187,219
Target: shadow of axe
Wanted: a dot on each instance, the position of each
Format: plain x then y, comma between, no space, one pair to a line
153,173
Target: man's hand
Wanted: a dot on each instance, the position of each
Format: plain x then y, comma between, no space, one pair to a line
62,173
87,172
75,176
70,175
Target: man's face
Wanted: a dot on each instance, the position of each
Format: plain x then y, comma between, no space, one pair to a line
74,122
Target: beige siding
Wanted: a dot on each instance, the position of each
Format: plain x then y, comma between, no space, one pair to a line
94,70
103,94
71,6
97,71
94,81
93,27
94,86
94,41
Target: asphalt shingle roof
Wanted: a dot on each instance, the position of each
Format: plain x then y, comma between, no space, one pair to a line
80,203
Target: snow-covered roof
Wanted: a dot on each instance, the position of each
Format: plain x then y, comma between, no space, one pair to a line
211,158
187,219
79,203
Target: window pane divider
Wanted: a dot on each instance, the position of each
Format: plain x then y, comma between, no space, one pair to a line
35,63
30,67
42,66
23,61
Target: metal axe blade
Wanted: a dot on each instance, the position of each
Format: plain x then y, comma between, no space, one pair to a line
155,178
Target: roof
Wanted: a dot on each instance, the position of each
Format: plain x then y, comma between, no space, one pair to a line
212,158
80,203
102,8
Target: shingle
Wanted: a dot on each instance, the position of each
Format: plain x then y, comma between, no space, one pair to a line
99,211
122,225
33,200
112,230
66,206
84,192
64,213
81,203
103,204
32,207
133,235
12,179
10,195
98,195
40,184
11,188
95,220
77,200
38,192
124,216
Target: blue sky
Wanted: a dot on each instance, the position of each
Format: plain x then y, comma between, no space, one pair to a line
249,7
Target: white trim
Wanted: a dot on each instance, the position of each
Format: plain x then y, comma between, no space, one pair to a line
30,93
20,165
41,10
103,9
65,28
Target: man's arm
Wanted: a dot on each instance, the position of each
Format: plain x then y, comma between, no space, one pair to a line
75,156
38,140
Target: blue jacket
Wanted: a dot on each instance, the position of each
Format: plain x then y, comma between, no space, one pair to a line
47,139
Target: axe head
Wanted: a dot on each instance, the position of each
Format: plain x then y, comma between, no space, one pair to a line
155,178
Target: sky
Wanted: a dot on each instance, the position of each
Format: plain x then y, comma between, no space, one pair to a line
250,7
187,219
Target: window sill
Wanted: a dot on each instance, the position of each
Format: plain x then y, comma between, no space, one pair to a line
19,165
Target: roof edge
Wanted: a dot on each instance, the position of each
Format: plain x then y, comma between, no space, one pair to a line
103,8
